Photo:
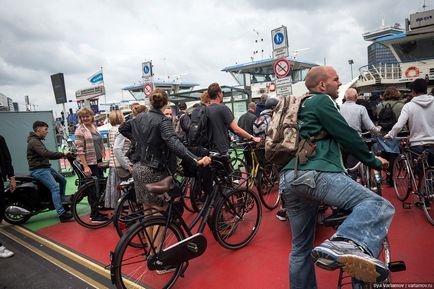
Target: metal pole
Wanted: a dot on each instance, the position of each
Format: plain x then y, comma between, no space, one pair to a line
352,77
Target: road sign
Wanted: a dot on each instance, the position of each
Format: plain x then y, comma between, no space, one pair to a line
283,86
279,38
147,69
281,67
147,89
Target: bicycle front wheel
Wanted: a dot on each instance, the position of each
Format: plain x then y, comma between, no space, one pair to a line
427,195
267,182
129,267
81,204
236,218
401,178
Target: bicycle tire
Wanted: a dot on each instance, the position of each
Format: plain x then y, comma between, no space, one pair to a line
401,179
81,207
126,207
427,195
238,212
129,267
186,193
267,183
197,195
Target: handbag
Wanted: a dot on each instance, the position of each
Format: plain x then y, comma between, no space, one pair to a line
122,173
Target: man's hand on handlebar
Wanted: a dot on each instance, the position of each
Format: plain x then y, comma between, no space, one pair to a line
384,163
205,161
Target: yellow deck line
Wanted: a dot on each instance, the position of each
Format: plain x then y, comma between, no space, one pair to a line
55,261
71,255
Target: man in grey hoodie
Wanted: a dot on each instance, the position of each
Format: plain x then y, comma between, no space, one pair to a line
419,113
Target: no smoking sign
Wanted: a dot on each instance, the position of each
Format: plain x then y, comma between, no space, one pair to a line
148,89
281,67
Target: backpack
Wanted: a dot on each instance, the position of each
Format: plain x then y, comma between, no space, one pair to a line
282,142
198,133
386,117
182,126
260,126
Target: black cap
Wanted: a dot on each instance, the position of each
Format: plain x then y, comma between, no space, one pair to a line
419,86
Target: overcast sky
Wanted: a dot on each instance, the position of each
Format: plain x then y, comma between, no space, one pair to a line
192,38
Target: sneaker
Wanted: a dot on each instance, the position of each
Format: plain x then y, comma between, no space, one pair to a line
66,217
282,215
331,255
5,253
161,272
99,218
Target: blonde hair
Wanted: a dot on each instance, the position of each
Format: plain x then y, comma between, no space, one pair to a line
116,117
84,112
204,97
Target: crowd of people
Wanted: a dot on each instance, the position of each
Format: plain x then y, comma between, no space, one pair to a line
147,145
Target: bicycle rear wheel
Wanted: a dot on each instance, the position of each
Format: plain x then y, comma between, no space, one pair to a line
129,266
81,208
186,187
236,218
401,178
427,195
267,182
126,211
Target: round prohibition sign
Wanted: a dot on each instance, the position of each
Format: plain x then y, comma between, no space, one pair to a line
147,89
281,67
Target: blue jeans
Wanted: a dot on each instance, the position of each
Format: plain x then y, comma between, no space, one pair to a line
367,225
55,182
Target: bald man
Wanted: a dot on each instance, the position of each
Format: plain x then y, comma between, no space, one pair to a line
356,115
322,179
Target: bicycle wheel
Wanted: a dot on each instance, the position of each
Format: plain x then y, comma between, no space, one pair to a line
129,265
236,218
197,195
267,183
427,195
126,209
238,166
81,204
401,178
186,187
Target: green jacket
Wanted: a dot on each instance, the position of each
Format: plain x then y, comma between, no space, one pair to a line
320,112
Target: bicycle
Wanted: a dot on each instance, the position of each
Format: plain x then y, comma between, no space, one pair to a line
405,181
232,212
264,176
90,193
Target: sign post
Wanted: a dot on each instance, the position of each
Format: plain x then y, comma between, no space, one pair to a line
279,38
147,78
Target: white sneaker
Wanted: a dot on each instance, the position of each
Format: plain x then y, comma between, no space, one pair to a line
5,253
161,272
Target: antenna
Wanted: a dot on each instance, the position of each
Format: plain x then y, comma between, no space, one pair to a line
297,51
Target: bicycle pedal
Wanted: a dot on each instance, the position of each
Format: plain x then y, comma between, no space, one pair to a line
397,266
406,205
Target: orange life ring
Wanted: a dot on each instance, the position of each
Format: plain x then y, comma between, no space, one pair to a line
412,72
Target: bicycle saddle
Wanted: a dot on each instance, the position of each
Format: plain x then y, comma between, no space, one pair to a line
160,187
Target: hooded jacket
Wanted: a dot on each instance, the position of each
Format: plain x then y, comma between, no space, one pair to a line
38,155
419,113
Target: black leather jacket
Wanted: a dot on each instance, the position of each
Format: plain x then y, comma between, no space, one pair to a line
157,143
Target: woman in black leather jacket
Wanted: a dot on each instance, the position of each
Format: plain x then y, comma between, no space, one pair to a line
158,146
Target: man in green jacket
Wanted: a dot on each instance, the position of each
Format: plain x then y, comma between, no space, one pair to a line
323,180
38,157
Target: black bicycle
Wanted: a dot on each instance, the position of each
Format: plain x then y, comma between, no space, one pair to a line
167,243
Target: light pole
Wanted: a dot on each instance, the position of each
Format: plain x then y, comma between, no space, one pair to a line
351,62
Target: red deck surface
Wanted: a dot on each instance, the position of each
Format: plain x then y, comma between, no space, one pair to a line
264,262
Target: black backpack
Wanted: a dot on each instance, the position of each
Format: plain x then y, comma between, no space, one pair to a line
386,117
198,133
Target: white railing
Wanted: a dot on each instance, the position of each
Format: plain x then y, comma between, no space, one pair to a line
379,71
